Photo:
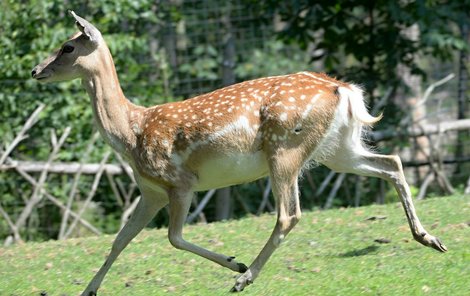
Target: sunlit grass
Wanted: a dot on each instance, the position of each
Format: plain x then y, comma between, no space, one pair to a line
328,253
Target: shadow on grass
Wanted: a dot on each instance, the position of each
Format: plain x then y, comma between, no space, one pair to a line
360,252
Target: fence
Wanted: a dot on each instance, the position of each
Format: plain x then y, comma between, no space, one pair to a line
211,45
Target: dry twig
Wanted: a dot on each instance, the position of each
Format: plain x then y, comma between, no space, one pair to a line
91,194
33,118
201,206
73,190
36,196
57,202
334,190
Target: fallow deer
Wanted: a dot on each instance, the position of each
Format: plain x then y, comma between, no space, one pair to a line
270,126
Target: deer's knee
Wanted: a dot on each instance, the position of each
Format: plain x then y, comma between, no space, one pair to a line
295,218
393,167
176,241
394,162
287,223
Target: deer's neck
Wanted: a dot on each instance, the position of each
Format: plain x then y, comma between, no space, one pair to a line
115,116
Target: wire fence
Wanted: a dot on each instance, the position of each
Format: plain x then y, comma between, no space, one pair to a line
211,36
215,43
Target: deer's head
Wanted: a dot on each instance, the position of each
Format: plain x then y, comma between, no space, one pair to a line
75,57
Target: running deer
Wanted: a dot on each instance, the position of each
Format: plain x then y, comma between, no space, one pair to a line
270,126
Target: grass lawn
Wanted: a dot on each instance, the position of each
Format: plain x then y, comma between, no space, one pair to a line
332,252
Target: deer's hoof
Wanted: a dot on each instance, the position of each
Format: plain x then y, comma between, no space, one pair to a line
431,241
437,244
242,268
88,293
243,281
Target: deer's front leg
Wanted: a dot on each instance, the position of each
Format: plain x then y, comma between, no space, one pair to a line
146,209
179,203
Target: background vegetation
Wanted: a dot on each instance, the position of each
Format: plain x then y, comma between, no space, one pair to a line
170,50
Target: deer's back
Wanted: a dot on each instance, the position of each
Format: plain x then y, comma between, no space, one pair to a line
226,137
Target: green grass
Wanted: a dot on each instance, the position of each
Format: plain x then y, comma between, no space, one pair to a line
328,253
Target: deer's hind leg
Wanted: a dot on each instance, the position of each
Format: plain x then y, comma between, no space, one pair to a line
388,167
284,171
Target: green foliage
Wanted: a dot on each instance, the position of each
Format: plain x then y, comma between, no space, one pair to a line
30,31
33,30
328,252
276,58
205,65
367,41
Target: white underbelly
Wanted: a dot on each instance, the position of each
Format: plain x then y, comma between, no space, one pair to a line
221,171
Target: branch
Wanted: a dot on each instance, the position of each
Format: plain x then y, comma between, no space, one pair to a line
424,186
126,167
334,190
113,169
201,206
115,190
33,118
10,223
265,199
325,183
467,189
431,88
128,212
92,192
73,190
382,102
427,129
406,120
36,196
417,163
57,202
65,168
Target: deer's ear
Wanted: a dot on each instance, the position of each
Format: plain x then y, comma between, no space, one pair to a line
90,31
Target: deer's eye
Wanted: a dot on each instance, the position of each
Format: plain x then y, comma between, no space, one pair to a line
68,49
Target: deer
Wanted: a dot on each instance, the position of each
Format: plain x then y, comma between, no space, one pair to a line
268,127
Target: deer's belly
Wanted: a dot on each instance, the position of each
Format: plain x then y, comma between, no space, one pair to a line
225,170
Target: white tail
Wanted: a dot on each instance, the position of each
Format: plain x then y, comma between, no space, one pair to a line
357,107
266,127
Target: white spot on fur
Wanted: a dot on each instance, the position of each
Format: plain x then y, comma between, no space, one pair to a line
309,107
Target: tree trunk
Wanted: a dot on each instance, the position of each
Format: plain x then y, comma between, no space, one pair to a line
462,99
223,204
223,199
419,145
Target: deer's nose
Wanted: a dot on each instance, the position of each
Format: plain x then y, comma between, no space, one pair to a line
33,73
